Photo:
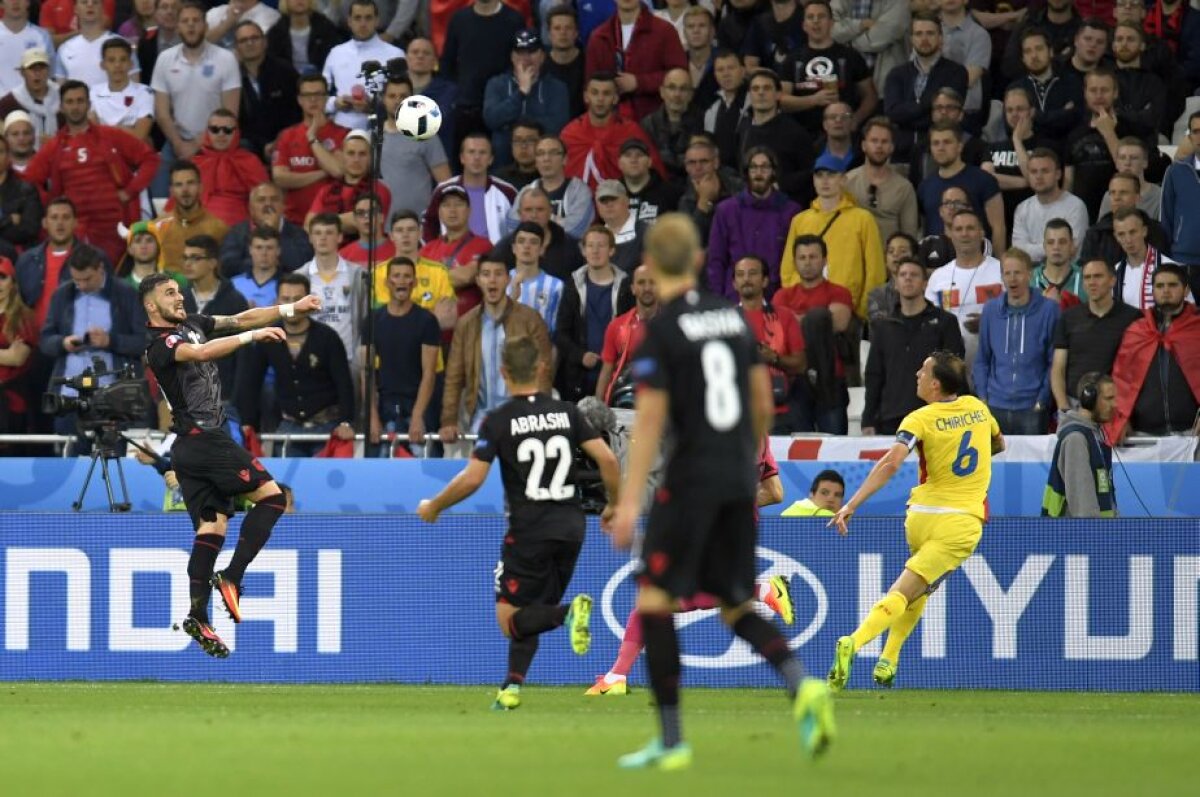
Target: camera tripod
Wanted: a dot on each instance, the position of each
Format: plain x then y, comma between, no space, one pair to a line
105,442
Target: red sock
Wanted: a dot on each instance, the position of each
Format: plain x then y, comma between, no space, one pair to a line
631,645
700,600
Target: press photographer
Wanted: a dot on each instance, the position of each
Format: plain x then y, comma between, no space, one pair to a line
93,317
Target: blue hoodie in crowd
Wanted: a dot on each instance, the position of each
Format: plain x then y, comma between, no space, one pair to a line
1016,348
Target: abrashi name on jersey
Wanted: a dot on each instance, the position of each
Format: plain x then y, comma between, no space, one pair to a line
544,422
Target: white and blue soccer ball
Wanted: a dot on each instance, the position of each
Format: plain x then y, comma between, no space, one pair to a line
419,118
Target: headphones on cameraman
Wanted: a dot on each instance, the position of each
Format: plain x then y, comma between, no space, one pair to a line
1089,391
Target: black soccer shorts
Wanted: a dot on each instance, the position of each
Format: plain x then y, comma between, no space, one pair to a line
535,572
701,545
213,470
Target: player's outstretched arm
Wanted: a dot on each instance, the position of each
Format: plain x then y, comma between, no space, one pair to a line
880,475
650,417
770,492
257,317
468,480
219,348
610,472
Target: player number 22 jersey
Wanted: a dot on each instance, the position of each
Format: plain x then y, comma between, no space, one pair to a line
535,438
953,440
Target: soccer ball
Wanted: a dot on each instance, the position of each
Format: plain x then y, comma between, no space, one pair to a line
419,118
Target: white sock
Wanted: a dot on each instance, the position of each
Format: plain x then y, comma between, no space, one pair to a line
612,678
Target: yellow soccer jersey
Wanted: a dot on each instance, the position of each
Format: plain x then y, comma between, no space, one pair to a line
433,284
953,440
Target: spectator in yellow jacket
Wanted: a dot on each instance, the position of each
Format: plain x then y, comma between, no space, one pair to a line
824,497
850,233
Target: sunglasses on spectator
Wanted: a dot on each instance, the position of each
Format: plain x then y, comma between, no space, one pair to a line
221,129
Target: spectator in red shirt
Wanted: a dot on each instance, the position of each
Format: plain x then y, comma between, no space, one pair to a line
357,251
621,340
594,140
40,268
824,310
780,344
18,339
641,61
228,173
338,197
102,170
457,248
305,157
58,18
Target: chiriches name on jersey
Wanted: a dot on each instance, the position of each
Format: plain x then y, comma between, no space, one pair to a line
959,421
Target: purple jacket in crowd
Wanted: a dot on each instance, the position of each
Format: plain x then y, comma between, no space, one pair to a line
744,225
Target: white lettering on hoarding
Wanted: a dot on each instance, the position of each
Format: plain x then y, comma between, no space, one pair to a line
1187,585
123,563
20,563
1078,642
1006,607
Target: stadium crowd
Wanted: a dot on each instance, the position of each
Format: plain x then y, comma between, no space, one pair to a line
979,177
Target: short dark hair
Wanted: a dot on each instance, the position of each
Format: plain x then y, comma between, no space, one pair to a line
602,76
520,358
943,127
196,4
762,264
1109,267
116,43
264,234
1128,213
83,258
530,124
926,16
533,228
1095,23
370,3
1172,268
296,278
400,260
147,285
206,242
950,371
725,52
65,201
1035,33
243,23
404,214
1133,178
399,80
1058,223
912,242
768,74
563,10
325,219
312,77
972,212
183,165
1093,380
827,475
1103,70
74,85
810,240
756,151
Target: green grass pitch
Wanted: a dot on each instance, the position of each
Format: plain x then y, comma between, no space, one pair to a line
346,741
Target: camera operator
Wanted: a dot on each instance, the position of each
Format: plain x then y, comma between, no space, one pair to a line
92,316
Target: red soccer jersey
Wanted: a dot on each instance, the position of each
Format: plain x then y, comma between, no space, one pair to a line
459,252
54,264
779,332
800,300
621,339
293,151
339,197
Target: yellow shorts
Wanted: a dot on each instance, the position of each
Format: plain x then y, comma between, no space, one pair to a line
940,543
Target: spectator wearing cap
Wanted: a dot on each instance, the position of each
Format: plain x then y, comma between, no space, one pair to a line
21,139
523,92
491,197
36,95
338,196
20,209
456,247
528,283
593,141
649,194
18,34
612,200
348,101
672,125
708,183
754,221
855,249
640,58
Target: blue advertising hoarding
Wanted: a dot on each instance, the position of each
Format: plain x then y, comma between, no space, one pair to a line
376,598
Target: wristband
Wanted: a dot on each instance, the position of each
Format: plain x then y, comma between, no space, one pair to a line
287,310
246,338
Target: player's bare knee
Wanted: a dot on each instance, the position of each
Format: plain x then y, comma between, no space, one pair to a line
265,491
212,522
504,615
652,600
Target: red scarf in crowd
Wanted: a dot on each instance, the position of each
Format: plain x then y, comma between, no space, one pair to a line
1136,355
